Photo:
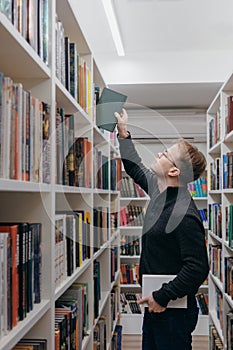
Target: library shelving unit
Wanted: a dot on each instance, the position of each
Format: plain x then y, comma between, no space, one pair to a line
220,199
36,59
202,328
129,234
132,322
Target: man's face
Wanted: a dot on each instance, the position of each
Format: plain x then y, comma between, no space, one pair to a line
165,161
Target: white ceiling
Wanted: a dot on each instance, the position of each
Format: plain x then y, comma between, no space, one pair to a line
178,52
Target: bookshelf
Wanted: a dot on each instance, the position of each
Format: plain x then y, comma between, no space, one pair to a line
52,197
220,199
133,202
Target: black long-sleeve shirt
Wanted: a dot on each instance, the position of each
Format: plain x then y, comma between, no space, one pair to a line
173,237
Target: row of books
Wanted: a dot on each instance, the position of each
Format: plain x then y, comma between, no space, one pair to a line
214,171
102,166
97,287
202,302
219,306
20,273
129,273
215,257
221,172
74,158
101,225
100,334
229,115
229,224
32,20
114,263
215,122
72,317
115,172
228,263
203,214
198,188
72,242
113,219
116,342
215,129
229,331
215,218
73,155
115,308
215,221
101,169
129,303
132,215
227,170
215,342
25,133
130,245
72,70
31,344
130,189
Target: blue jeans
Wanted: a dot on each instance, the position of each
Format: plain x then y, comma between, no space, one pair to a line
169,330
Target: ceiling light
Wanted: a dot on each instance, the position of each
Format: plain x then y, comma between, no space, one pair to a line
112,21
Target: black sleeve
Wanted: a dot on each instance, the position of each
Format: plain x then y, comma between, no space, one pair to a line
143,176
195,266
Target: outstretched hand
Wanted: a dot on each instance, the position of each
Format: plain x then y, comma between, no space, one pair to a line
153,306
122,120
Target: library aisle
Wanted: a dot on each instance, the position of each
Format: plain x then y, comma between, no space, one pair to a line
133,342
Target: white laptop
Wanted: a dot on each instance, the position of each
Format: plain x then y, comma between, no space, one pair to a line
151,283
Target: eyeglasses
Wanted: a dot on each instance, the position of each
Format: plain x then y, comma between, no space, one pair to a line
164,153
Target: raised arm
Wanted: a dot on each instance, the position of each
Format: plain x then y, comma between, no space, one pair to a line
132,162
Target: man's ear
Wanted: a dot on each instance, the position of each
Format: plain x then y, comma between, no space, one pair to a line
174,172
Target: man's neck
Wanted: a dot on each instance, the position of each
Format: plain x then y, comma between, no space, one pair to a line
164,183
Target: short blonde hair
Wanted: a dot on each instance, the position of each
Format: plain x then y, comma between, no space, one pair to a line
192,162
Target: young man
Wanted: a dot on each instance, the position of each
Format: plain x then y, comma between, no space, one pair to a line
173,239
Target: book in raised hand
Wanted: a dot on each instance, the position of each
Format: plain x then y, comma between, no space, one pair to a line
109,102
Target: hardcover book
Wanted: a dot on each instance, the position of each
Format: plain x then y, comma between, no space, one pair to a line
110,102
154,282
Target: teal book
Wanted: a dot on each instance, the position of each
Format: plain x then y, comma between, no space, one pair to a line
109,102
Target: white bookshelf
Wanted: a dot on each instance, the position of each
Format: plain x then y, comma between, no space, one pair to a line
130,322
224,196
38,202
